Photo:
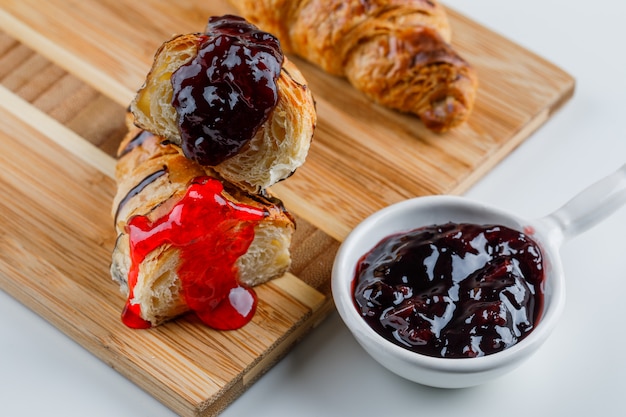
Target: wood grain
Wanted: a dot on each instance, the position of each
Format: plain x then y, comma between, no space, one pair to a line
61,190
364,156
54,256
67,72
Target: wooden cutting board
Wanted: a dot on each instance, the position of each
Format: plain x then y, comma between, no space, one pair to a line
68,70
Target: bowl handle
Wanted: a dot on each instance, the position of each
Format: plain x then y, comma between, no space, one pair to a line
590,206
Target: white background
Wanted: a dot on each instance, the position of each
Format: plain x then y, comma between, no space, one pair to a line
579,371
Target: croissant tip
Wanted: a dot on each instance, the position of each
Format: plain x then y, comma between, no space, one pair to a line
445,114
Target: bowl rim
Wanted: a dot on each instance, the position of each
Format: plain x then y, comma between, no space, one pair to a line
343,272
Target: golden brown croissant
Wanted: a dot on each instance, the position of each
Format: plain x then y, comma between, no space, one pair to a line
221,117
188,240
271,153
396,51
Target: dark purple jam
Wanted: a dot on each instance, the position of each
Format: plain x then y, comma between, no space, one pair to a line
224,94
452,290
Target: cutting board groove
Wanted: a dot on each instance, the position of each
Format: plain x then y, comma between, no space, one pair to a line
67,72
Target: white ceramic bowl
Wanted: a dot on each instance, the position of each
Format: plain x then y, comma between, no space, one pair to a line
583,211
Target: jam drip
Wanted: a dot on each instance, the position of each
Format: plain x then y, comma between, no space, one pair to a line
211,233
227,91
453,290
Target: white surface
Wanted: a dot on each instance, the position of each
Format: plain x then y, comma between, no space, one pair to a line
578,372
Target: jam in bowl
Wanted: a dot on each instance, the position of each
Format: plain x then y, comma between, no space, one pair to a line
427,362
452,290
449,292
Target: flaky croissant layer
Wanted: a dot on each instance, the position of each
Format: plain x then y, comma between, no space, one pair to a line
154,178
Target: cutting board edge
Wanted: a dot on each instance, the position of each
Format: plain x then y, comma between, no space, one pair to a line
265,363
211,406
534,124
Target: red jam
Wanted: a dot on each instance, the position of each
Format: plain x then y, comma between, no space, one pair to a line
452,290
211,234
225,93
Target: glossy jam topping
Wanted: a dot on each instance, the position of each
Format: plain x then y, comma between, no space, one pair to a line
211,234
225,93
452,290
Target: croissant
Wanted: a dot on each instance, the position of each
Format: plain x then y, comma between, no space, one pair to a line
222,139
188,240
397,52
221,116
